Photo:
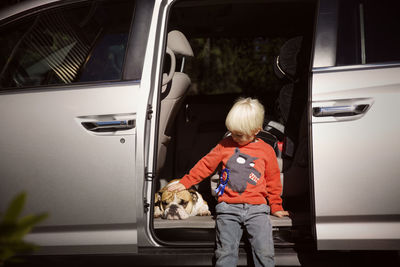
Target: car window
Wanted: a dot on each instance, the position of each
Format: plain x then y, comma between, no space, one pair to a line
348,35
382,23
367,32
70,44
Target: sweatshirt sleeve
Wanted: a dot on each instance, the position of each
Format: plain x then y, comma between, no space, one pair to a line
203,168
273,180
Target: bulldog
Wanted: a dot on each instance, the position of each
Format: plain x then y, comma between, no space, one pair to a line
179,205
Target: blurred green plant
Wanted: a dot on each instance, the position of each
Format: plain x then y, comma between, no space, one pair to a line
13,229
234,65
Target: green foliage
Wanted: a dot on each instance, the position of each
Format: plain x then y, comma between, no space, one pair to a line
13,229
234,65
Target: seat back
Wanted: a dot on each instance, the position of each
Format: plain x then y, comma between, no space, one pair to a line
290,66
286,68
174,88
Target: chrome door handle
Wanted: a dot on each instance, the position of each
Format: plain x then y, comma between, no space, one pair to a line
340,111
109,126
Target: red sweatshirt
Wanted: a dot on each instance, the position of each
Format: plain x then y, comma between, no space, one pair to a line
253,172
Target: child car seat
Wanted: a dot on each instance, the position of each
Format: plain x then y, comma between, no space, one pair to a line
286,68
290,67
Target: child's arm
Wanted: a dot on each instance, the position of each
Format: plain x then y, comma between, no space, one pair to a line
274,186
203,168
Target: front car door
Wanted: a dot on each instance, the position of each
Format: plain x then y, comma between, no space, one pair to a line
355,125
72,114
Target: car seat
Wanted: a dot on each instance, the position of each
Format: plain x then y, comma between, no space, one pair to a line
174,87
286,69
291,68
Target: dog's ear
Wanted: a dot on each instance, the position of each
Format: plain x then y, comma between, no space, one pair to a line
194,195
157,198
158,201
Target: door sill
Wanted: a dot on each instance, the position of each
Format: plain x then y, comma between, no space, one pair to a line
208,222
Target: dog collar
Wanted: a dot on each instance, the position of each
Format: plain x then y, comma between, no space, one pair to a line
223,180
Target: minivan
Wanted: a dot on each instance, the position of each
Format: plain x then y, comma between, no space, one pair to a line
103,102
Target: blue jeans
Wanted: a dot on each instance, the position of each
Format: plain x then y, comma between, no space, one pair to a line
230,222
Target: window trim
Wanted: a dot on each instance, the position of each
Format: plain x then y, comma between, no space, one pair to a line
325,40
362,33
137,40
368,66
63,87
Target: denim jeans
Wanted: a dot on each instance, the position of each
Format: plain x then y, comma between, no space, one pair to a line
230,222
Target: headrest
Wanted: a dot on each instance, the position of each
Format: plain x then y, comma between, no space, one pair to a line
178,43
286,63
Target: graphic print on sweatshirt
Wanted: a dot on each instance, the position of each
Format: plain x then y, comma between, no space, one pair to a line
242,171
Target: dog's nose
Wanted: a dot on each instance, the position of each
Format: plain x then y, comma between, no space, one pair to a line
173,208
173,212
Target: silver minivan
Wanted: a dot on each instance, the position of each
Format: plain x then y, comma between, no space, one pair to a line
103,102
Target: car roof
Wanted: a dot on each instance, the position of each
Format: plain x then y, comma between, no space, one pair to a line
23,7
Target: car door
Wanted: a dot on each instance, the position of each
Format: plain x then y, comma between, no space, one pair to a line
355,126
71,108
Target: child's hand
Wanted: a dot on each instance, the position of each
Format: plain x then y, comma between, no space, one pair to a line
178,187
281,213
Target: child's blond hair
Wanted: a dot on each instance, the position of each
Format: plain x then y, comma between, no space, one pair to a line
245,117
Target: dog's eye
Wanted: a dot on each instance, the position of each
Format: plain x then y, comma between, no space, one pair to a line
183,203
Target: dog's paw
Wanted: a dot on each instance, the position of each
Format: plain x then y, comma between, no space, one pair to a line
204,210
183,215
176,217
205,213
157,212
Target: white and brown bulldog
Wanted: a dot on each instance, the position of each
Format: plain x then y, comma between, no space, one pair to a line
179,205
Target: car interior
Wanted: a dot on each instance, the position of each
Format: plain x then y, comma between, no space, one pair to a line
216,52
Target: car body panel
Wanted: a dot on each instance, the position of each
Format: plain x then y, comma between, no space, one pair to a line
23,7
151,84
86,180
356,159
81,178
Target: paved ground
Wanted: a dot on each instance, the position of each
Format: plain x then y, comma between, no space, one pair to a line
320,259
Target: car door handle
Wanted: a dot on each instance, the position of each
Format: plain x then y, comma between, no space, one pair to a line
109,126
340,111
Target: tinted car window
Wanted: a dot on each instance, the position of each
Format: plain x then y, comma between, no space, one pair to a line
382,23
348,45
79,43
368,32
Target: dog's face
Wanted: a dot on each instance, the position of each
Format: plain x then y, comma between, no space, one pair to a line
179,205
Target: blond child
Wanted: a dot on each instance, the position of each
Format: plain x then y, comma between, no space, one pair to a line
250,175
